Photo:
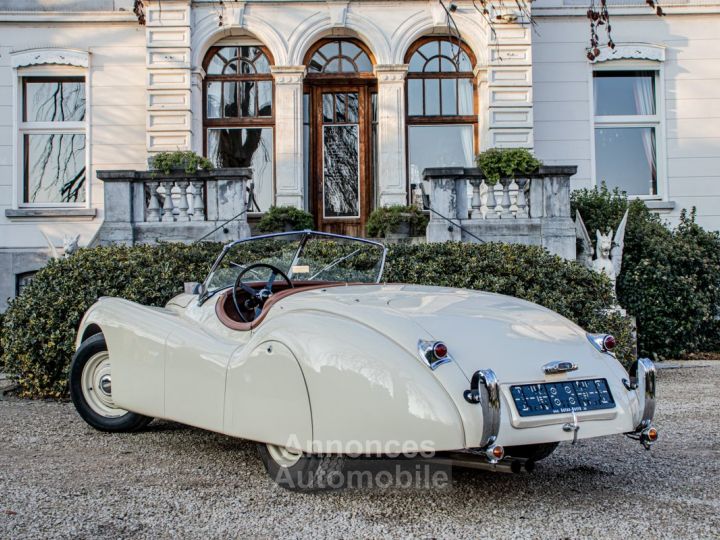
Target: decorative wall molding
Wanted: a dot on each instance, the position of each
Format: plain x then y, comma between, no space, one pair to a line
391,72
338,11
635,51
288,74
235,14
34,57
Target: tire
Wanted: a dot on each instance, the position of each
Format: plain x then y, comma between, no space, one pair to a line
90,390
302,472
532,452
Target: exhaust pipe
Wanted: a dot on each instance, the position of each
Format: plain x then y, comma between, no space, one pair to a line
510,465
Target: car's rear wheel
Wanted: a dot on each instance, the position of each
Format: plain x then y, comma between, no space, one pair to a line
533,452
91,389
298,471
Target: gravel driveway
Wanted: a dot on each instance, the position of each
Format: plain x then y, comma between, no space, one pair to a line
59,478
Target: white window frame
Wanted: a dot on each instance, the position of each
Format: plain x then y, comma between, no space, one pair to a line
47,63
656,121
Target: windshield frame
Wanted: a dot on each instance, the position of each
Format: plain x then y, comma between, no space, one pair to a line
306,234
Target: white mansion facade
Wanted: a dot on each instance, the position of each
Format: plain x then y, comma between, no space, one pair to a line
353,98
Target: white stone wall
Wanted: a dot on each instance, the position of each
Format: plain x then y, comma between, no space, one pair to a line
115,48
690,96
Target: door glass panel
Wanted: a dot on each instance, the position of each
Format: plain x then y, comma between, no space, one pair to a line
328,103
340,104
341,171
352,108
246,147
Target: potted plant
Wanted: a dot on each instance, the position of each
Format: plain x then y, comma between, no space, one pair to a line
497,163
285,218
178,161
396,222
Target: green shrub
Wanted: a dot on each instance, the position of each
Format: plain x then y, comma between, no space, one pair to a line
285,218
497,163
386,220
40,326
188,161
670,278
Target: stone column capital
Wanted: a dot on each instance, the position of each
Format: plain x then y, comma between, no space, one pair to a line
288,74
391,73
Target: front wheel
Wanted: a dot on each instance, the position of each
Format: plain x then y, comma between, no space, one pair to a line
91,389
297,471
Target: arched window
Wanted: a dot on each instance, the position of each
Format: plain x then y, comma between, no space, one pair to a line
340,56
441,105
239,116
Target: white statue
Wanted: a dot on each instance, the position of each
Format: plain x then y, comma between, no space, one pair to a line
70,245
608,250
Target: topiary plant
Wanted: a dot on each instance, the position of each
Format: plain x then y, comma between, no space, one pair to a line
497,163
388,219
189,162
285,218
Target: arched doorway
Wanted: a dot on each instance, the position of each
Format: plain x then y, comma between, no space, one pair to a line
340,116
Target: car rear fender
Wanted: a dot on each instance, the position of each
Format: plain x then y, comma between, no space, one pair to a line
367,393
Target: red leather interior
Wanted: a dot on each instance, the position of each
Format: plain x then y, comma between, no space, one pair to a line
228,315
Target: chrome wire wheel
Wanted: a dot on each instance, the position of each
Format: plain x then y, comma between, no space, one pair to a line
285,457
97,386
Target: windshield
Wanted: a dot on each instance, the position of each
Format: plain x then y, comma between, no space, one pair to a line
303,256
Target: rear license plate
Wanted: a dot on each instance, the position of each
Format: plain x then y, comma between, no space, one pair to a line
562,397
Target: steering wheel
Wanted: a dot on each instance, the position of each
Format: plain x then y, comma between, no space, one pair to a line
257,298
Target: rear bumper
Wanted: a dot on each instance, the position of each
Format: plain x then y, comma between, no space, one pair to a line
635,408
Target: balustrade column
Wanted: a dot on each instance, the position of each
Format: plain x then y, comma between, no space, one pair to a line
167,210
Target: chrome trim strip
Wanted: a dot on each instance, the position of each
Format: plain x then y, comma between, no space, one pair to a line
488,396
645,373
559,367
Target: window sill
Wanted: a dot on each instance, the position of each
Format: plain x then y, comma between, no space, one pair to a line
660,206
78,214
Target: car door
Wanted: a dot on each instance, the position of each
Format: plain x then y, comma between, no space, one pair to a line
196,360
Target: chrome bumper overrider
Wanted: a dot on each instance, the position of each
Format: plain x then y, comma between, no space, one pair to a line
642,380
488,396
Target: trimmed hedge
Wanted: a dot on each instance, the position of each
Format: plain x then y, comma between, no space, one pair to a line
670,278
40,325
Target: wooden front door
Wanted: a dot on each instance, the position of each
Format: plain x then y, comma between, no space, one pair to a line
341,179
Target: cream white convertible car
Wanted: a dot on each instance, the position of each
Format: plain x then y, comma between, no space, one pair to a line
292,341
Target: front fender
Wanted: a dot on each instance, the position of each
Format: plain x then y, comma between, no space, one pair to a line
366,392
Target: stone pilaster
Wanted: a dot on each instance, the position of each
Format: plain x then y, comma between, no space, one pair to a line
508,87
392,167
289,182
168,75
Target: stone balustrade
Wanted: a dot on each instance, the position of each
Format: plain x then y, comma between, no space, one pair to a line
534,209
147,207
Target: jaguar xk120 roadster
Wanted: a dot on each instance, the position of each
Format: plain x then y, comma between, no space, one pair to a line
292,341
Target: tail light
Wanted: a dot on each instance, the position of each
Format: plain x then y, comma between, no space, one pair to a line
604,343
435,353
